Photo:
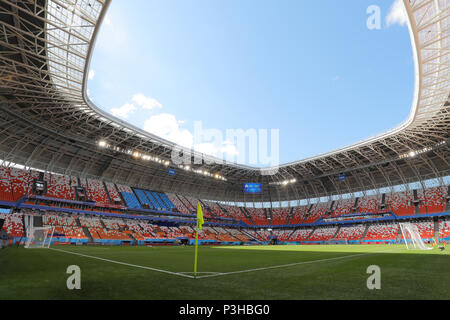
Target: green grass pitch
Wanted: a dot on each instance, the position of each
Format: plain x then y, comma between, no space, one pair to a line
250,272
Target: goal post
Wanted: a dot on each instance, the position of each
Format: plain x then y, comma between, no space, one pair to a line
412,238
39,237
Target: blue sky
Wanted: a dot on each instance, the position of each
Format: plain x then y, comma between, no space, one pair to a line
311,69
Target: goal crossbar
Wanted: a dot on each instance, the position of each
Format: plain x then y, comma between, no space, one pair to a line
40,237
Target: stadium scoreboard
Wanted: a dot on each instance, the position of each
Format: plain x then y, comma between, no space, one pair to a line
253,188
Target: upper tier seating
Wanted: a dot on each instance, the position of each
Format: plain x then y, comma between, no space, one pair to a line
181,207
216,210
168,203
369,203
97,192
21,183
298,215
317,211
113,193
258,215
59,186
342,207
5,184
128,195
236,213
280,216
434,198
190,203
400,203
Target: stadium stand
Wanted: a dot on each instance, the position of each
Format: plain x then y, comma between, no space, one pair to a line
426,229
435,199
113,193
59,186
301,235
280,216
258,216
130,198
298,215
399,203
97,192
323,234
343,207
350,233
444,229
20,182
177,203
16,183
317,211
282,235
237,213
13,224
382,231
5,184
368,203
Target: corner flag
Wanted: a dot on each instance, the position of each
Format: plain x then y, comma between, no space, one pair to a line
200,220
200,223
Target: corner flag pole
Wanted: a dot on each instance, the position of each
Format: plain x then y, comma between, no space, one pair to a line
196,251
199,227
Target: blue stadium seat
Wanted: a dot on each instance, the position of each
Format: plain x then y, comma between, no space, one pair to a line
143,198
131,200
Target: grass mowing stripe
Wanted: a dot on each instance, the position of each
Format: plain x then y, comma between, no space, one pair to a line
125,264
290,264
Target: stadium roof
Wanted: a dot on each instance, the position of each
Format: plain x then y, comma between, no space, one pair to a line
48,121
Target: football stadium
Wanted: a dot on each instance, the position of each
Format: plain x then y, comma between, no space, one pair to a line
93,207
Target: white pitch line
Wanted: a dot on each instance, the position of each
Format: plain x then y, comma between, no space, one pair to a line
289,265
125,264
190,272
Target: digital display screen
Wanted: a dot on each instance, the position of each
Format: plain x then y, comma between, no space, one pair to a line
253,188
172,172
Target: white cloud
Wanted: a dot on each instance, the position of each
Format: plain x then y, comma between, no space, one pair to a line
229,149
124,111
206,148
146,102
226,150
166,126
397,14
91,74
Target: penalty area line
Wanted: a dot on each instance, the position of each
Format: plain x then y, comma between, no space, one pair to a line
290,264
125,264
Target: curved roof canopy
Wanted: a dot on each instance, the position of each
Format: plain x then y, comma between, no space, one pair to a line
48,122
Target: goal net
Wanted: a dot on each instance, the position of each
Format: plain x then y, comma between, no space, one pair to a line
39,237
412,237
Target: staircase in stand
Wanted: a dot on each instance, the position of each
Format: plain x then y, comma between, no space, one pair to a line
87,233
336,233
364,233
